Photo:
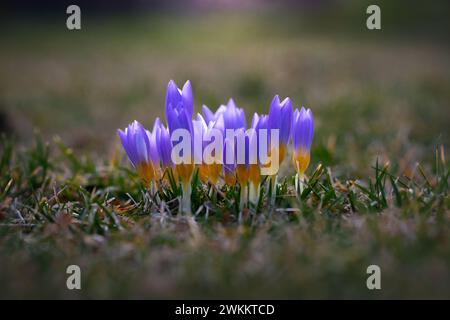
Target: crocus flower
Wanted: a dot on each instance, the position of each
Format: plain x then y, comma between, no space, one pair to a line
280,118
249,173
164,145
242,169
302,136
179,110
233,118
179,100
215,168
200,128
139,144
209,170
259,122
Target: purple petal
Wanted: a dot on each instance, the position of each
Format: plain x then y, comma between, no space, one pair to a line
207,114
126,146
187,97
285,121
165,147
173,95
142,144
172,120
255,121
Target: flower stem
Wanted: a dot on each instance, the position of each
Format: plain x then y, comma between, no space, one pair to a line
254,194
185,204
299,183
273,196
243,199
300,180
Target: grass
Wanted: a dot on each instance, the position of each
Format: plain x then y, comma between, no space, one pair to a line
58,209
378,188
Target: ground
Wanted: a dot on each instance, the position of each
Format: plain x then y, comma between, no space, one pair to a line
379,178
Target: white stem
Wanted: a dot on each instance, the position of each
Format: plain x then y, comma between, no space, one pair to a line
152,189
185,204
211,191
254,194
299,184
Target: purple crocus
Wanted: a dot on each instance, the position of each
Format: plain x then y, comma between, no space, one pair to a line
179,107
179,110
163,144
249,172
233,118
259,122
209,169
200,128
302,136
141,149
280,118
243,165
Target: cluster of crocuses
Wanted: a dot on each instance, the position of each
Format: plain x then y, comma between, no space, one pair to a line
219,156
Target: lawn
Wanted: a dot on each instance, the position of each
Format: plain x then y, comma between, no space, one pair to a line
378,182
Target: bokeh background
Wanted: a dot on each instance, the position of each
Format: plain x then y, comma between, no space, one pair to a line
381,94
375,94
